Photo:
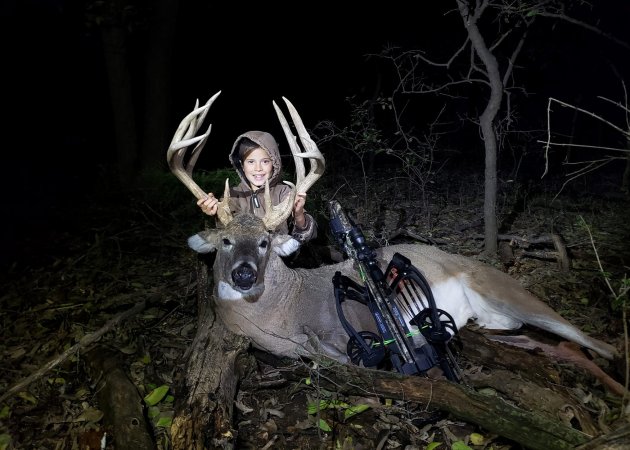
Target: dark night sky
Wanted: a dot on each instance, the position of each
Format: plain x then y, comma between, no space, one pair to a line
314,57
59,87
55,83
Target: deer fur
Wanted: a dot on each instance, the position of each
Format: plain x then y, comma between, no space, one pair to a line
291,312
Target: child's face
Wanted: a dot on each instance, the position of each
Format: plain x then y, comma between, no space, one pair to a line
258,167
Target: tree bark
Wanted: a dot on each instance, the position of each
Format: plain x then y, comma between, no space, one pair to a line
615,440
486,121
118,398
115,50
215,364
513,393
625,181
158,84
532,429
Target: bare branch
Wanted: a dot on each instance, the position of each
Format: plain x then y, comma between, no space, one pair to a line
598,147
584,25
84,342
591,165
589,113
618,104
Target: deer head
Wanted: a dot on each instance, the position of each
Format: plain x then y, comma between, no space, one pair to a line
243,248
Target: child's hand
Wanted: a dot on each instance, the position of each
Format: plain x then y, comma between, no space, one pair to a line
298,210
209,205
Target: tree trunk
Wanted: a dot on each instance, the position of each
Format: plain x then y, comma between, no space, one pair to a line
158,84
486,122
135,154
215,364
120,91
118,398
625,182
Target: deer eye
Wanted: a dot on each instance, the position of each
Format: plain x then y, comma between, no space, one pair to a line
226,242
263,244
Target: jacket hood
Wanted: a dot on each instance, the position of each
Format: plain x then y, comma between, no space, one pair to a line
267,142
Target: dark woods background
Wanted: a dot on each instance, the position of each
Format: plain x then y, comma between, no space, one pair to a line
95,90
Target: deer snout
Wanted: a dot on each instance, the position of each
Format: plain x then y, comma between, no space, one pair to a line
244,276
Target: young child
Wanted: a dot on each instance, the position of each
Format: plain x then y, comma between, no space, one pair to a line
255,157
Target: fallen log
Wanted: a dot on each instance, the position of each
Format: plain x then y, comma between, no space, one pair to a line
615,440
119,400
85,341
531,429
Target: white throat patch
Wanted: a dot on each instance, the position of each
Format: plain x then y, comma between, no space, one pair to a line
287,247
227,292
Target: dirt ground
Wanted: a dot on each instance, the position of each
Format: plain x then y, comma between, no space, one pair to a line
83,268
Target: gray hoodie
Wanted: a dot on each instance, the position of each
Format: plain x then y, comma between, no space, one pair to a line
243,198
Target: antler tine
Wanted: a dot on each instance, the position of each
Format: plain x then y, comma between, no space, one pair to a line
185,137
276,215
190,125
293,144
193,130
176,153
223,207
316,158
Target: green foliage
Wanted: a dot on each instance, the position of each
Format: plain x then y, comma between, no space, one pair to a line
323,425
621,300
127,15
160,406
353,410
377,140
5,441
355,145
156,395
327,402
163,191
618,288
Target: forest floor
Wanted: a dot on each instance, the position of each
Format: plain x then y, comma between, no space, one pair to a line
84,267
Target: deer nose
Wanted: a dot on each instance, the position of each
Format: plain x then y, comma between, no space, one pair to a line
244,276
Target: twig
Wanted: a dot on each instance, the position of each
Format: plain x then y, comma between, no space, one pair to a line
84,342
617,295
404,232
562,256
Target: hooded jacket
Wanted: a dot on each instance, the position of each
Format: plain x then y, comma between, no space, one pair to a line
243,198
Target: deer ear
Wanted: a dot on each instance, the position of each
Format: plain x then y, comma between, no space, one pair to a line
201,243
284,244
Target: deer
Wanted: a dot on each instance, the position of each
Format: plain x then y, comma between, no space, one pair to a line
290,312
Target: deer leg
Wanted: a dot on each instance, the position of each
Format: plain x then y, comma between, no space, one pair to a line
564,352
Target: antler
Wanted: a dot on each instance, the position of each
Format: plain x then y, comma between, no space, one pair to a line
185,137
275,215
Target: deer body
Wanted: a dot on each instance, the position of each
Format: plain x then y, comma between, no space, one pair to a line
295,314
292,312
